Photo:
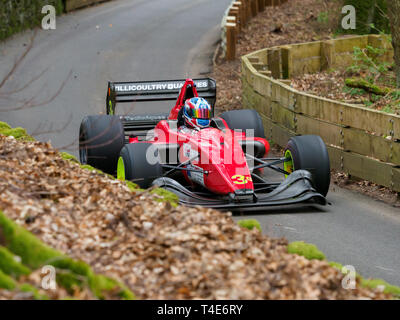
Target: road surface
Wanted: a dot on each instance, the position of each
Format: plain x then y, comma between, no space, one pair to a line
159,39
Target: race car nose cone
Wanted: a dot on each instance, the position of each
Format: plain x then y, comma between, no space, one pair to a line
242,195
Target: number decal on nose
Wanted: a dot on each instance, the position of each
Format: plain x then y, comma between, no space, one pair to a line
239,179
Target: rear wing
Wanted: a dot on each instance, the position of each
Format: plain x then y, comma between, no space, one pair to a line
142,91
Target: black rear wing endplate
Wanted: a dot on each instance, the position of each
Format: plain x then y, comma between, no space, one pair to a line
162,90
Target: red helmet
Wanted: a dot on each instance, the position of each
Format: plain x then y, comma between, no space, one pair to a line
197,113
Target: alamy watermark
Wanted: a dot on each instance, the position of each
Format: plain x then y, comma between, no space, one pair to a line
350,19
49,278
349,280
49,20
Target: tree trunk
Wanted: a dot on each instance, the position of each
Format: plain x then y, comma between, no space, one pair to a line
394,17
371,16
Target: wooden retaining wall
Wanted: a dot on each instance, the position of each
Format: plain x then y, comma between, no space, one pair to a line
362,142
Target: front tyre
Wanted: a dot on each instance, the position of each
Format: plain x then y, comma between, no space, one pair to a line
309,153
139,163
101,138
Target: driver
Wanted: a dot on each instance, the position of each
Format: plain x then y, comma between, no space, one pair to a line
196,113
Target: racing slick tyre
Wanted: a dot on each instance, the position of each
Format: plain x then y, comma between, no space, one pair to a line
101,138
139,163
244,120
309,153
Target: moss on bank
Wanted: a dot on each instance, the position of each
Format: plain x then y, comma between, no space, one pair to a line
18,133
9,264
311,251
307,250
165,195
387,288
249,224
6,282
35,254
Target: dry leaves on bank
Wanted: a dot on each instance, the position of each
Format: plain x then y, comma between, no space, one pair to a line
159,251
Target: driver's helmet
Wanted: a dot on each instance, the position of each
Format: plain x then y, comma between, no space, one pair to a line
197,113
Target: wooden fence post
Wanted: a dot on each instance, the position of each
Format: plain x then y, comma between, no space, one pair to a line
268,3
234,12
327,54
243,14
287,61
233,20
253,8
261,5
248,10
230,41
274,62
238,5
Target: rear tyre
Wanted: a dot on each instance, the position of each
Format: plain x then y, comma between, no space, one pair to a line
309,153
244,120
101,138
139,163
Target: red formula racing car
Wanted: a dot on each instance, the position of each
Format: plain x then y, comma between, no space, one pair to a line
217,164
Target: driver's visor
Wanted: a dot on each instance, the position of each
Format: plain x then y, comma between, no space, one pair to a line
202,113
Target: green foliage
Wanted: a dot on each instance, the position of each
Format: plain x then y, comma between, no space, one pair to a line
395,95
368,103
354,91
307,250
371,17
369,60
323,17
388,109
249,224
16,16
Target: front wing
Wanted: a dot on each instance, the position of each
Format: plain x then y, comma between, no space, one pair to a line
296,188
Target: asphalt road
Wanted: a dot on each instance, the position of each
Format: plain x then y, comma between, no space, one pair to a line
122,40
158,39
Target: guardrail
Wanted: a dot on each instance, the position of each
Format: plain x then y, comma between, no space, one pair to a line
236,17
362,142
